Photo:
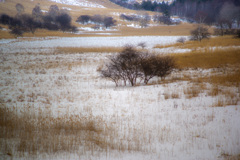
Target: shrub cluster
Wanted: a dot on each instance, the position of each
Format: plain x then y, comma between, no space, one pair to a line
199,33
164,19
143,20
97,20
130,66
225,31
54,19
129,17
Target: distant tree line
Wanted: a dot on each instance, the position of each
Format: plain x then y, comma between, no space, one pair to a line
54,19
225,14
207,11
98,20
145,5
144,19
131,66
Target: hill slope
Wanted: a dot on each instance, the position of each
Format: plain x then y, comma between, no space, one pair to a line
75,8
8,7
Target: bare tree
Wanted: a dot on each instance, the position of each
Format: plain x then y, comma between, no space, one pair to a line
28,23
126,17
84,19
53,11
200,17
97,19
200,33
125,66
64,20
131,65
159,66
165,65
37,13
111,72
148,68
129,61
163,19
19,8
144,20
108,22
16,31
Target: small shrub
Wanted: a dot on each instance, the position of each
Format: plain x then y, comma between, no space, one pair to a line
97,20
199,33
17,31
131,65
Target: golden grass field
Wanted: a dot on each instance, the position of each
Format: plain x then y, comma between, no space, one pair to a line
32,131
220,41
110,9
220,53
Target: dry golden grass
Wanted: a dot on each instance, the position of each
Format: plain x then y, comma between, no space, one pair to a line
226,100
227,79
38,132
9,6
205,44
210,59
182,29
110,9
230,157
225,62
225,58
222,41
194,90
5,35
178,30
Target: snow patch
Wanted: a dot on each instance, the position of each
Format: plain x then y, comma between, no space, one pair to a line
22,46
66,8
82,3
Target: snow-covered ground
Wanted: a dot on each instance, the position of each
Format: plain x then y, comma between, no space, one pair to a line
82,3
38,44
158,121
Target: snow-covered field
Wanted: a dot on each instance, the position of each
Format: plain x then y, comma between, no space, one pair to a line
154,122
82,3
39,44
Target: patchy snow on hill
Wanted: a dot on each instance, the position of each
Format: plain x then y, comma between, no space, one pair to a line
160,121
82,3
25,46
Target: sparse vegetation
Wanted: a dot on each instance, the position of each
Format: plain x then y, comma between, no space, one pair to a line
54,19
54,104
131,65
199,33
105,21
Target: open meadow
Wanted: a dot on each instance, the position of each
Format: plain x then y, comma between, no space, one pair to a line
55,104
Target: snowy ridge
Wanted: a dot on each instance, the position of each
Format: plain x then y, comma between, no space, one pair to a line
82,3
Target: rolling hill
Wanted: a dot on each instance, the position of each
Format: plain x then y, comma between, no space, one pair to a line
75,8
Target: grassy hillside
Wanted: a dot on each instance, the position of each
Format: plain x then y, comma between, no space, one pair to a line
123,28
